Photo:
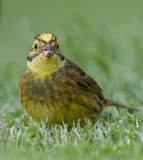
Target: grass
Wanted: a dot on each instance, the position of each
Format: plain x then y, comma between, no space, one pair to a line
106,41
105,139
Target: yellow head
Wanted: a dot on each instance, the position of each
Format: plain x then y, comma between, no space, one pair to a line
45,56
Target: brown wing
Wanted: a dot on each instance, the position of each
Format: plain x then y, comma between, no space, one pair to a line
83,80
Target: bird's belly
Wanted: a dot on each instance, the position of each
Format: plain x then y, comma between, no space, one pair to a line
60,112
63,106
60,103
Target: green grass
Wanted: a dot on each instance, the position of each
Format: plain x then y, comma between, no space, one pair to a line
105,39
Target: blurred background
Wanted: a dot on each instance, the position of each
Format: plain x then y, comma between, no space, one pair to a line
105,38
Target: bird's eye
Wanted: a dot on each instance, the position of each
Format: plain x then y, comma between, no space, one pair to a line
57,46
35,46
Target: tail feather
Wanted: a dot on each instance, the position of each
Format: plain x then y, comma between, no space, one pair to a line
108,102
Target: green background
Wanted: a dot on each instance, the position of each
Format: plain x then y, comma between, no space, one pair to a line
105,38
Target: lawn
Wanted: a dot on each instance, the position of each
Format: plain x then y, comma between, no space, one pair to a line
106,40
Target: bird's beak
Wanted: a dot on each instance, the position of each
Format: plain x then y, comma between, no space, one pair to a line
47,52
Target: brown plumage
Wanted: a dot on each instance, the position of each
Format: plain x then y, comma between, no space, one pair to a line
55,88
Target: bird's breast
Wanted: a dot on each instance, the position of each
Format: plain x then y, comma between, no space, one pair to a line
36,87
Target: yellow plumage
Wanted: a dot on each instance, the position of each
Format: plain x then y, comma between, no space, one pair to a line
48,89
55,88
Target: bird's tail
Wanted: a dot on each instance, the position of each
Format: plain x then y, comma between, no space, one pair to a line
108,102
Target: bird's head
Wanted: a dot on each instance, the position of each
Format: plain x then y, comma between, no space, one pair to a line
45,52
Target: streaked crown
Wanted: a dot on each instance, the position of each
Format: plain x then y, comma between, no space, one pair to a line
46,38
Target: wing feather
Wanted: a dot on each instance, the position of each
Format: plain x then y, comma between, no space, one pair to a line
83,80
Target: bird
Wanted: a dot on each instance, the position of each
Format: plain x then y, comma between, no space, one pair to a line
53,87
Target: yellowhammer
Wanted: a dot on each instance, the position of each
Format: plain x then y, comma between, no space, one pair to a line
55,88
